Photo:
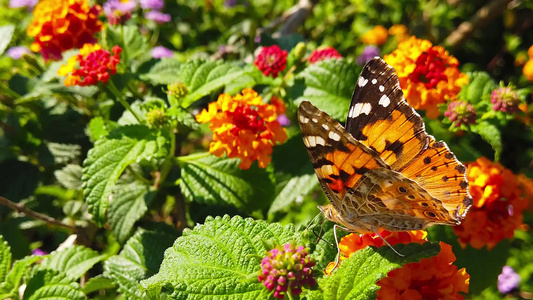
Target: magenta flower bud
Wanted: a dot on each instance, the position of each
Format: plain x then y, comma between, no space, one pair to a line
282,270
460,112
505,99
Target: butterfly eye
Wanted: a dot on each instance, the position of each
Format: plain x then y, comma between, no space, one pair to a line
402,189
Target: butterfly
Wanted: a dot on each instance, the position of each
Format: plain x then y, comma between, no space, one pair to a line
383,170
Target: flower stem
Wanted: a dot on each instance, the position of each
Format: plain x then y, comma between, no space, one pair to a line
113,89
124,48
194,156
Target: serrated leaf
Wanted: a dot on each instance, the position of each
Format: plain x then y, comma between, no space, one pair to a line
64,153
491,134
111,155
219,260
329,86
479,87
357,276
128,38
49,284
130,202
70,176
203,77
97,128
6,33
98,283
140,259
5,258
10,286
219,181
73,261
165,71
183,117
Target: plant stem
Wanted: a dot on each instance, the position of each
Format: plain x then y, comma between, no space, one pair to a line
113,89
194,156
124,49
21,208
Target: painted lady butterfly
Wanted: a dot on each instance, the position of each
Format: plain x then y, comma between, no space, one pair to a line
383,171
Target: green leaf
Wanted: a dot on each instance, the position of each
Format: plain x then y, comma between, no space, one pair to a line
219,181
219,260
140,259
130,202
128,38
97,128
70,176
478,88
203,77
6,33
64,153
183,118
50,284
329,86
10,286
5,258
98,283
492,135
111,155
357,276
73,261
165,71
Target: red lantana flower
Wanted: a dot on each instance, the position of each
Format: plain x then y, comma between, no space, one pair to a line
271,60
244,127
497,208
323,54
91,66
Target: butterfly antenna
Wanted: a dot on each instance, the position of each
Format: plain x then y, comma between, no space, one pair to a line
337,259
390,246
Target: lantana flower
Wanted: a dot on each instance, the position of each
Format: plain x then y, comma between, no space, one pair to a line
323,54
91,66
271,60
60,25
160,52
508,280
461,112
400,32
17,52
528,67
368,53
428,74
375,36
118,12
157,16
497,208
244,127
430,278
287,269
505,99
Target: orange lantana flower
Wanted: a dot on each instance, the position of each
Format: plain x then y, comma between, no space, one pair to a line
428,74
400,32
244,127
60,25
375,36
431,278
497,208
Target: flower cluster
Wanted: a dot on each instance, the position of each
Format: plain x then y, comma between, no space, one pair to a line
460,112
287,268
400,32
430,278
156,117
375,36
60,25
271,60
505,99
91,66
22,3
428,74
17,52
244,127
161,52
368,53
497,208
323,54
118,12
528,67
508,280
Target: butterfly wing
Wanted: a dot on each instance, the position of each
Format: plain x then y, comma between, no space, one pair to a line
380,118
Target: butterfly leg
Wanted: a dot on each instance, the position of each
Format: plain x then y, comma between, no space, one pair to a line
337,259
376,231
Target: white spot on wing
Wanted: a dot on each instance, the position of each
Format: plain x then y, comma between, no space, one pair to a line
374,81
303,119
362,82
360,108
315,120
320,141
384,101
325,126
381,88
334,136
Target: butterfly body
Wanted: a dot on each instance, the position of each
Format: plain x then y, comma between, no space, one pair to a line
383,170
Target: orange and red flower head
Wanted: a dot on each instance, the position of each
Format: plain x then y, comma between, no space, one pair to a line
428,74
323,54
497,208
60,25
244,127
91,66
